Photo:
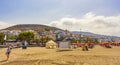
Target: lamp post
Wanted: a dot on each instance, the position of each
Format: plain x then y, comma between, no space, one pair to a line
80,35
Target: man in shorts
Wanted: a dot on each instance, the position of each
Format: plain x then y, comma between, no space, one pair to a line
8,51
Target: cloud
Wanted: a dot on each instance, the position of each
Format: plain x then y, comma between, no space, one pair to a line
108,25
4,25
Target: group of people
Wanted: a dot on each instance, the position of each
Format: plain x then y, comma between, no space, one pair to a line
106,45
109,44
115,44
84,47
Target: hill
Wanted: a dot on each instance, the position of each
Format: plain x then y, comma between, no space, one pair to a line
99,36
36,27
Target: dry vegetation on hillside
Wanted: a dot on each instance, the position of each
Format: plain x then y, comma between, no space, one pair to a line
36,27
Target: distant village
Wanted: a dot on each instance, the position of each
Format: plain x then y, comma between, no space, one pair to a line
49,33
58,35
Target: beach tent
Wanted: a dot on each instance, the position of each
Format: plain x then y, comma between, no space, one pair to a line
51,45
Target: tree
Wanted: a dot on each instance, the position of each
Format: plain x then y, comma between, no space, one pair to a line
11,37
1,38
45,39
56,36
26,36
37,41
47,29
73,41
96,41
62,37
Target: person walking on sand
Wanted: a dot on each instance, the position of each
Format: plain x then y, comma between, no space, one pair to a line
8,51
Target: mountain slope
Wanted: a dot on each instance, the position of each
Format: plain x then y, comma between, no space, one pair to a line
36,27
116,38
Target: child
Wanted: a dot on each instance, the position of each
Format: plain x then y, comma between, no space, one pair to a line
8,51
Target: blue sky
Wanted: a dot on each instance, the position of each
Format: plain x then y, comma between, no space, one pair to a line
44,11
47,11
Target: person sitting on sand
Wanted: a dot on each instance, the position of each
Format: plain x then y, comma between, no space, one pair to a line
8,51
83,47
24,45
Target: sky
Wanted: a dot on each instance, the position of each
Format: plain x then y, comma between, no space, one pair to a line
97,16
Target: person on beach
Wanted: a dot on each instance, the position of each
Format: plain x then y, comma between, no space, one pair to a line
83,47
24,45
8,51
86,47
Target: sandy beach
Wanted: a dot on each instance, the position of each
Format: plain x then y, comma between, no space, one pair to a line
42,56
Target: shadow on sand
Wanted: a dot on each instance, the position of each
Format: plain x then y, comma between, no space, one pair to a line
62,50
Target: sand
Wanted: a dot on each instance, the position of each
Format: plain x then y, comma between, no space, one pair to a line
43,56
